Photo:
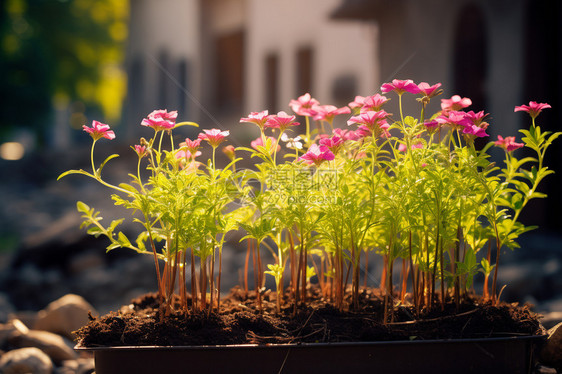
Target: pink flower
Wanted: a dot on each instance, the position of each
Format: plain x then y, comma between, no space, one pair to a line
334,144
373,103
357,103
99,130
534,108
181,154
431,125
258,118
140,150
160,120
400,86
187,160
317,155
415,145
375,121
191,145
303,105
281,121
455,103
229,151
345,134
328,112
429,91
476,118
474,124
363,131
214,136
474,130
454,119
259,143
508,143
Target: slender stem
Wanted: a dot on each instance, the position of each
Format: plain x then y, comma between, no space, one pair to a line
203,283
193,283
485,292
414,288
435,265
366,272
442,265
160,143
214,165
457,258
171,140
139,176
400,106
498,252
246,267
212,279
183,291
260,273
275,147
151,239
307,131
384,271
303,263
92,158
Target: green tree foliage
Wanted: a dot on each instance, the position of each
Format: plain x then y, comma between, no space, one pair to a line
53,53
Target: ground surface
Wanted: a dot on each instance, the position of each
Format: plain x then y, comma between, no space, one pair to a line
241,322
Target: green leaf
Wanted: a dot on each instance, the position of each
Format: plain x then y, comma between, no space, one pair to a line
113,245
82,207
552,138
129,188
114,224
123,240
95,231
98,172
68,172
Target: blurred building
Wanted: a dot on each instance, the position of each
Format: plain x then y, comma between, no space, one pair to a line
217,60
500,53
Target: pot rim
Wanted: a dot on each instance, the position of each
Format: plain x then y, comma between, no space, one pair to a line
538,337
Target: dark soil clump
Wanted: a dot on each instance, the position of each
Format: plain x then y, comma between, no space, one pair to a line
241,322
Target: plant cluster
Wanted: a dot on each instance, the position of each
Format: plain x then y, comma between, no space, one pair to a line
416,191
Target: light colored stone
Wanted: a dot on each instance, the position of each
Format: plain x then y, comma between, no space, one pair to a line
57,347
65,315
551,353
79,366
544,370
14,327
551,319
68,367
85,365
28,317
25,360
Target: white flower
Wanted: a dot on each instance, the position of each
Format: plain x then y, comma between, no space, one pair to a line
291,142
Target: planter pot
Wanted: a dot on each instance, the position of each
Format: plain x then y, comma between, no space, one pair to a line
492,355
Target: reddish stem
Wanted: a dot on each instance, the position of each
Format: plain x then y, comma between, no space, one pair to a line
203,284
366,272
384,271
193,283
246,267
486,293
